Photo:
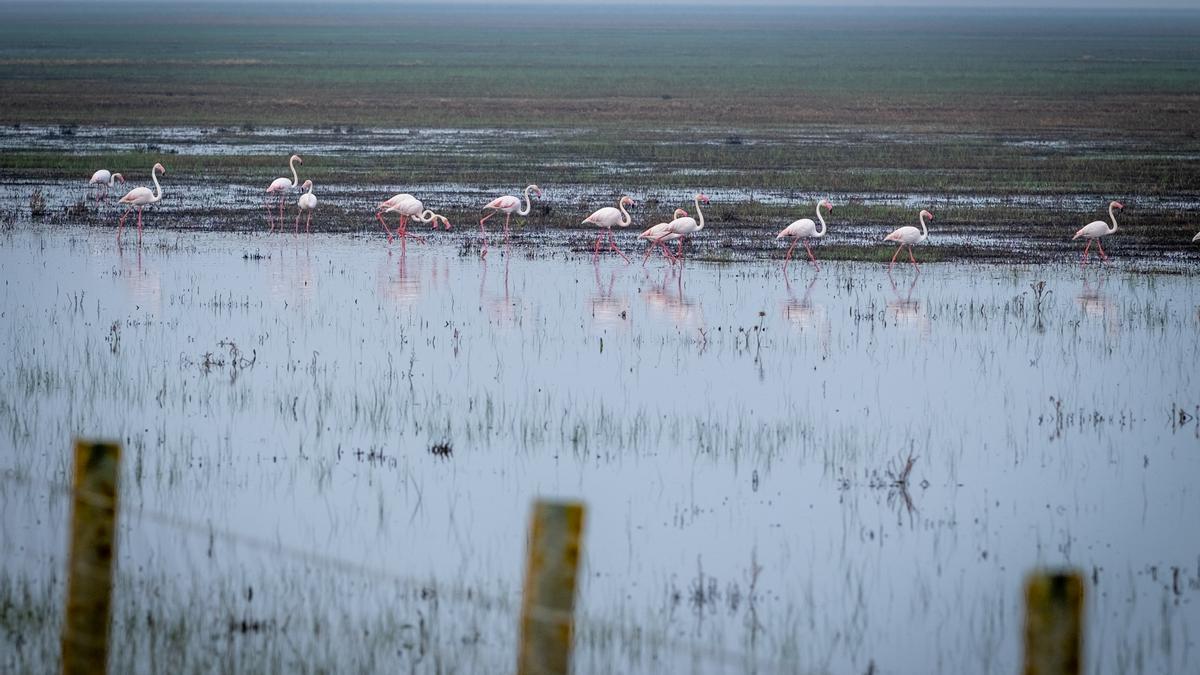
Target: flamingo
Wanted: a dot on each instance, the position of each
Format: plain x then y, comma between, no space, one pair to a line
608,218
1096,229
907,236
408,208
281,186
687,225
106,180
138,198
659,235
509,205
803,229
307,202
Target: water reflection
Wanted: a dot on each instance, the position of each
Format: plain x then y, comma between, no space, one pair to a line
667,299
500,308
403,287
606,307
904,310
144,284
1097,305
803,314
292,274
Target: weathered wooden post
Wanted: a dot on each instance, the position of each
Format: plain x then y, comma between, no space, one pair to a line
1054,623
548,604
93,549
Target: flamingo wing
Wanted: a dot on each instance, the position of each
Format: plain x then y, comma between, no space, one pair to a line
605,217
138,196
1096,228
280,185
656,232
101,176
505,203
804,227
685,225
905,235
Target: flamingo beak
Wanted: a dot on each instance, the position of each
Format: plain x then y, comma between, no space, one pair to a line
1120,205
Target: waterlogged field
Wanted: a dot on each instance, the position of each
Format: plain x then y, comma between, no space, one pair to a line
332,447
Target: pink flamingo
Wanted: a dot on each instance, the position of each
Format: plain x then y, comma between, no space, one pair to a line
659,235
281,186
607,218
306,203
138,198
803,229
106,180
1096,229
408,208
686,226
907,236
509,205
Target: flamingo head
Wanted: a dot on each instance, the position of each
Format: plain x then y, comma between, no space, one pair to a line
1117,205
306,185
829,207
926,214
627,201
445,221
679,213
703,198
296,159
535,190
157,167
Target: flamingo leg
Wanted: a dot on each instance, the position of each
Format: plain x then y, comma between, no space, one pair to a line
121,226
612,244
789,254
507,216
1101,247
483,234
893,263
308,223
649,248
296,229
139,225
811,257
596,250
1085,252
379,217
910,257
281,209
270,216
667,252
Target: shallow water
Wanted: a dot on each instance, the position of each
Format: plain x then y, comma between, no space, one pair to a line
716,423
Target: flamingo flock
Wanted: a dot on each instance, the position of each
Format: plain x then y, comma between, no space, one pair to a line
408,208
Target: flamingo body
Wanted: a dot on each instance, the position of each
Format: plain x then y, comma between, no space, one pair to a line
280,186
138,198
907,236
607,218
508,205
1096,229
105,179
685,225
805,228
306,204
659,235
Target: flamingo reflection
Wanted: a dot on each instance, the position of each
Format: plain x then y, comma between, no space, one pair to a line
667,299
803,314
606,307
500,308
904,310
1096,304
403,287
144,284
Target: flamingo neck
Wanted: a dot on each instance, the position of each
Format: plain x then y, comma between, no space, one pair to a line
112,180
821,219
924,229
1113,217
157,187
524,211
699,214
295,177
426,216
626,219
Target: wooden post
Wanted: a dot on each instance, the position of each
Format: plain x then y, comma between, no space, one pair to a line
547,608
93,549
1054,623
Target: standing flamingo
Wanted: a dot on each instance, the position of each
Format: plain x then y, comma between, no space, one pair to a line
282,186
409,208
607,218
659,235
138,198
509,205
687,225
1096,229
907,236
803,229
106,180
307,202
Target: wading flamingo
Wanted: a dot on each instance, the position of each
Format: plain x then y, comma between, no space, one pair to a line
306,203
803,229
607,218
409,208
509,205
105,179
282,186
138,198
907,236
658,235
685,226
1096,229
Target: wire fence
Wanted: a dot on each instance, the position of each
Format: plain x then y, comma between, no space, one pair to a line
708,652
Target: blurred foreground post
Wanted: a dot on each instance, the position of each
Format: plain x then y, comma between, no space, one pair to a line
90,567
547,607
1054,623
